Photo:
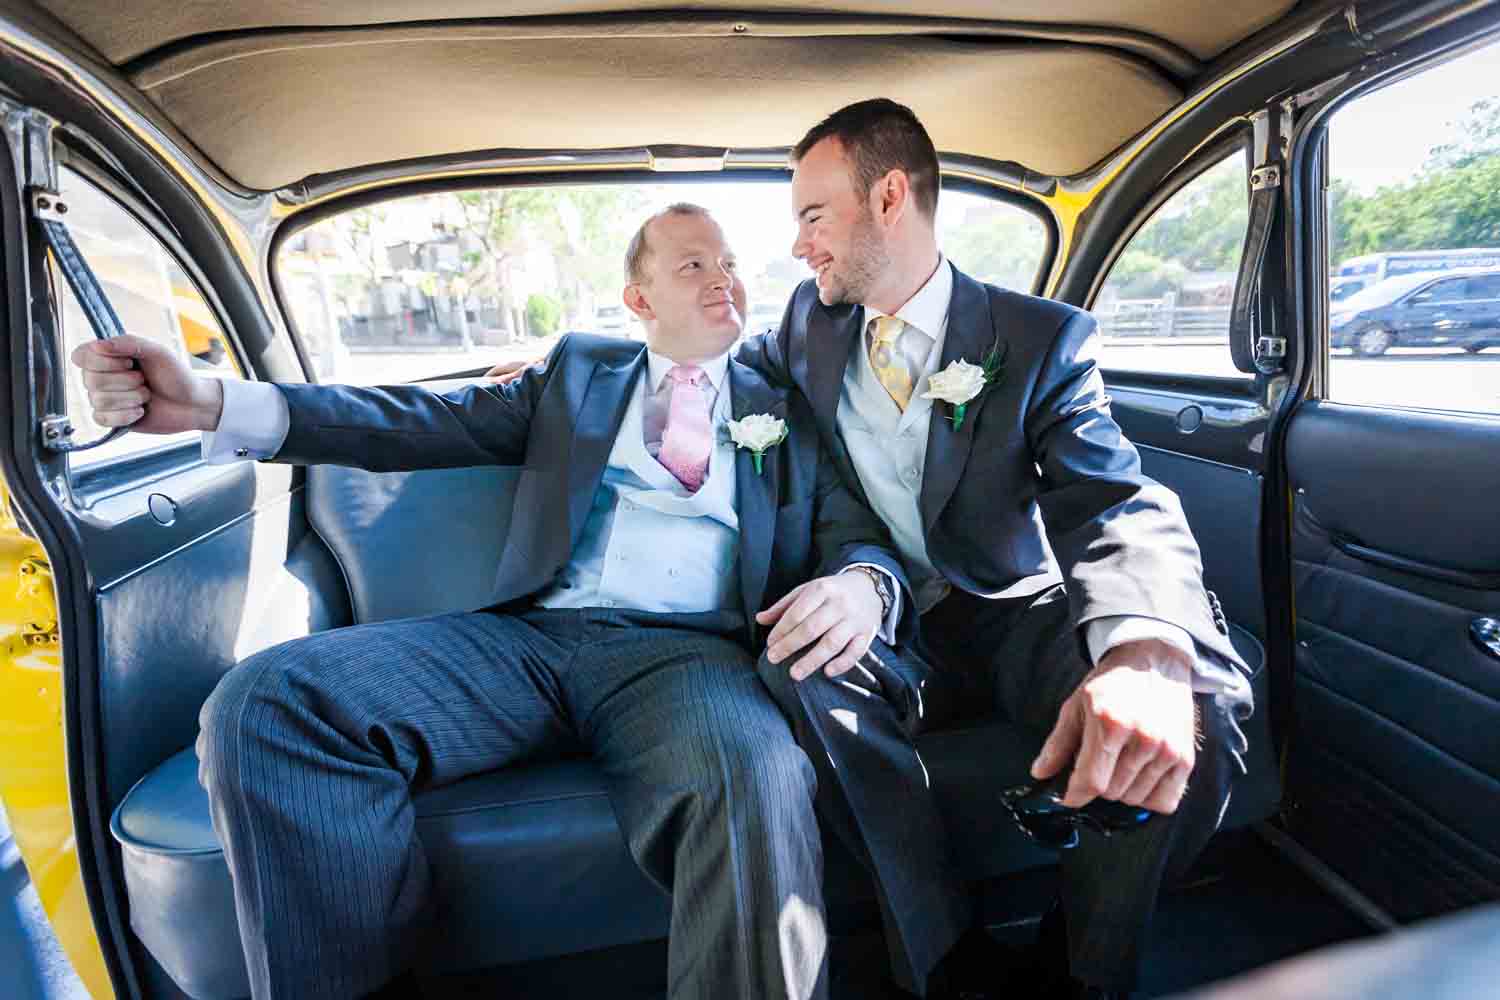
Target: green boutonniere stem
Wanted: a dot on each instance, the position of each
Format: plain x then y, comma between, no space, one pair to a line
758,455
958,415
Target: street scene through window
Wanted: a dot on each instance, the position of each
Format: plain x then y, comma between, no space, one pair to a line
434,284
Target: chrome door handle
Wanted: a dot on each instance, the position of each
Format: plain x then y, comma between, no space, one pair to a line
1486,635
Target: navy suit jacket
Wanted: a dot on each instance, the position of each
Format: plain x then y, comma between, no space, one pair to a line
558,421
1037,449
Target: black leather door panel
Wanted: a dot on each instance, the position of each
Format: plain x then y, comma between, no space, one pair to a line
171,630
1395,759
1223,506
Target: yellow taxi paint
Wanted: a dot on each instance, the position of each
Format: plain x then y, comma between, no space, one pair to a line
33,748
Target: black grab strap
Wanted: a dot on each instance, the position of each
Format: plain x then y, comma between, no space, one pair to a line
47,212
1242,332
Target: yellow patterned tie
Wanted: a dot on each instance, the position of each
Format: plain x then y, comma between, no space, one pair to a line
889,363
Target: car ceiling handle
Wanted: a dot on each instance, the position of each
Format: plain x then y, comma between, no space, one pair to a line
49,212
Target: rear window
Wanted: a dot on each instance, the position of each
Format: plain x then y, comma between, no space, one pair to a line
430,285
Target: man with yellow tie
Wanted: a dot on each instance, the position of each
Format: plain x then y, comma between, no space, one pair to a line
1055,583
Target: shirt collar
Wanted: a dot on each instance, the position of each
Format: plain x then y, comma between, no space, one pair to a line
928,309
658,365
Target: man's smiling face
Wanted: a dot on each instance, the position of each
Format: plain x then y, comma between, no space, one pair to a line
836,231
689,296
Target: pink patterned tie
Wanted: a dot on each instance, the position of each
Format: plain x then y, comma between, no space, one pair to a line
688,437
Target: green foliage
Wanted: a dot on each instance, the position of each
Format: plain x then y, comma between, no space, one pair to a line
1002,247
543,313
1140,274
1451,203
1442,208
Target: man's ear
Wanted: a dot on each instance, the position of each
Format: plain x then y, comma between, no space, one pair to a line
892,196
634,298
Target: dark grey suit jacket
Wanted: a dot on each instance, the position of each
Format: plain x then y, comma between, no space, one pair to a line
1040,441
558,421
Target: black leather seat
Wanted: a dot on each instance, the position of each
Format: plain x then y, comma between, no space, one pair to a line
528,862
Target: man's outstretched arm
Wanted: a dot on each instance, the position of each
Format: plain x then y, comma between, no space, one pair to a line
138,383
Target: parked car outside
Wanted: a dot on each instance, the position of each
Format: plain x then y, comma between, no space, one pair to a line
612,320
1452,309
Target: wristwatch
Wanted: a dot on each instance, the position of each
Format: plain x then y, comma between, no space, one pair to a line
882,588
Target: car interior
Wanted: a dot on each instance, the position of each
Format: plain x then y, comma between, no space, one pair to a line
191,159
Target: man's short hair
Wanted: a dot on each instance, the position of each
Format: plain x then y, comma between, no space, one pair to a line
639,248
879,136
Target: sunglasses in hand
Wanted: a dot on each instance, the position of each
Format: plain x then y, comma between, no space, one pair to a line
1038,809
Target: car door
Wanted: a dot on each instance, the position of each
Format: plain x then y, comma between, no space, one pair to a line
1436,315
167,570
1393,762
1484,303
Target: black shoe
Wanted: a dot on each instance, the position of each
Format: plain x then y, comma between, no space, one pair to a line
403,987
978,967
1050,963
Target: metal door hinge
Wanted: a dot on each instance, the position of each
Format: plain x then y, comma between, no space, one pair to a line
1265,178
57,432
1270,347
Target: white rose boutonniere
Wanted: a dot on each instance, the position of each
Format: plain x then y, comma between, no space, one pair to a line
756,432
962,381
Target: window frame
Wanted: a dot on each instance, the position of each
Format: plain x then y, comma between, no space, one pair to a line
416,187
1210,154
106,476
1310,149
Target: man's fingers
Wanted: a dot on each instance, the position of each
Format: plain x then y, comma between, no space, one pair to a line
812,628
118,418
852,653
102,356
1144,786
1095,764
778,646
1140,751
832,643
507,371
774,612
113,381
1169,790
129,399
1062,742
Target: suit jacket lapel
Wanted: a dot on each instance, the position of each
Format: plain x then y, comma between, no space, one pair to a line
831,334
971,334
601,409
756,495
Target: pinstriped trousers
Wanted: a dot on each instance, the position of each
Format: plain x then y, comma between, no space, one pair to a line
1022,658
310,752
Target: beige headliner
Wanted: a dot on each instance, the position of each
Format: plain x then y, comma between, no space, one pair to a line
122,30
311,94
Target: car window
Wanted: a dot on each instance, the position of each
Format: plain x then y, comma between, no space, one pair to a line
1413,170
1484,289
153,296
1165,305
431,285
1453,290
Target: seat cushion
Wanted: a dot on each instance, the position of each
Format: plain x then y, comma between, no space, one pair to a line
529,862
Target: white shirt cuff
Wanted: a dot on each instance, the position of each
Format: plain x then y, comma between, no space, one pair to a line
887,633
1106,633
253,425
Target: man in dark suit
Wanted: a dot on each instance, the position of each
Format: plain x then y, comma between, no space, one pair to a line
1055,583
643,542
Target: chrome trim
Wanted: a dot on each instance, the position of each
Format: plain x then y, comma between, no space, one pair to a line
185,56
